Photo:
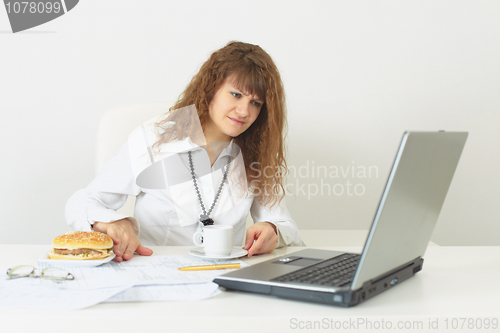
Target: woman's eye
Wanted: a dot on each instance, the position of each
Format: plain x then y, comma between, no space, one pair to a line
258,104
237,95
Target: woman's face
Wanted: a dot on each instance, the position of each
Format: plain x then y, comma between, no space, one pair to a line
232,111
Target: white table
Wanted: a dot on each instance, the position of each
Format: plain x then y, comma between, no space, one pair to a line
325,238
456,282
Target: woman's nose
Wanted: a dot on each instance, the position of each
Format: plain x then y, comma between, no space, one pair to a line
242,109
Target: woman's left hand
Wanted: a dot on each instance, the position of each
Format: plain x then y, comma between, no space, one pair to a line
265,236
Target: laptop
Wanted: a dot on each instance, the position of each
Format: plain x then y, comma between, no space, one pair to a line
400,232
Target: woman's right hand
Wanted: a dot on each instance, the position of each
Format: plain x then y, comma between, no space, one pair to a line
125,240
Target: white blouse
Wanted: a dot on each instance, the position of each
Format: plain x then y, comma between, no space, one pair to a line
167,210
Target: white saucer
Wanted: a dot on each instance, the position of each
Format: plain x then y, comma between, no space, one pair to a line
74,263
235,253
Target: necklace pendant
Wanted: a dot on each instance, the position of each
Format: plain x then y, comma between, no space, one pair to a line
206,220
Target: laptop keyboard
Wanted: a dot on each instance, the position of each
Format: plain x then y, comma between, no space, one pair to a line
334,272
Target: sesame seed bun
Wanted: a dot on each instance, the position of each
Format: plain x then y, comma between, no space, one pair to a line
83,239
81,245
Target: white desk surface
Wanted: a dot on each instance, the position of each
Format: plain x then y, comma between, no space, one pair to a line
325,238
456,282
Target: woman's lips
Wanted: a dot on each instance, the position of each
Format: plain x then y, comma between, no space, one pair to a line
236,121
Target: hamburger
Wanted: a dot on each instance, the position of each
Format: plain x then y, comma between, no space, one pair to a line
81,245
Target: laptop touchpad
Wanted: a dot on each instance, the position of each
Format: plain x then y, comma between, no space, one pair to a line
296,261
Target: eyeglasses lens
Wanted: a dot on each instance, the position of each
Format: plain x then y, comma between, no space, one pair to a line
54,273
20,271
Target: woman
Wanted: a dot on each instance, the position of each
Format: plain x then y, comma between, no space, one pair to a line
219,156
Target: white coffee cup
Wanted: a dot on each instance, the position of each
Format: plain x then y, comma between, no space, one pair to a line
217,240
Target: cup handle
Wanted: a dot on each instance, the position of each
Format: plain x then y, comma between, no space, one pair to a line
198,238
198,235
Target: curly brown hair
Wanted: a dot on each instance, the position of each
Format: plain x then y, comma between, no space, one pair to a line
263,143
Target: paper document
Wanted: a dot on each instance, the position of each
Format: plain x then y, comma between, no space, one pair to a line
144,270
178,292
141,279
44,294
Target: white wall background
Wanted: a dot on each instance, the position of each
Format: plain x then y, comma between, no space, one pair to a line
357,74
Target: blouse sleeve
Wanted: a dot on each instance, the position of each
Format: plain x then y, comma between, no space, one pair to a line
278,214
108,192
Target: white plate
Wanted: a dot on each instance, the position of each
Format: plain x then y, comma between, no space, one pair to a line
74,263
235,253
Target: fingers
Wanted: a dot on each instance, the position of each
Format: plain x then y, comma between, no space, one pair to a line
265,238
125,250
250,237
263,244
117,242
129,251
116,246
134,247
256,247
143,251
124,238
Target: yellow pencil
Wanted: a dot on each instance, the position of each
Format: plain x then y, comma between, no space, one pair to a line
209,267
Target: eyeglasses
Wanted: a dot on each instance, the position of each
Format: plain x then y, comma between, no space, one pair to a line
51,273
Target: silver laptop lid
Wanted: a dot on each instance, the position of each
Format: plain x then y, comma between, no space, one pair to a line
411,202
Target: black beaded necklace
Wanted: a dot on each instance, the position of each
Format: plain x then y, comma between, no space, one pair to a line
205,216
